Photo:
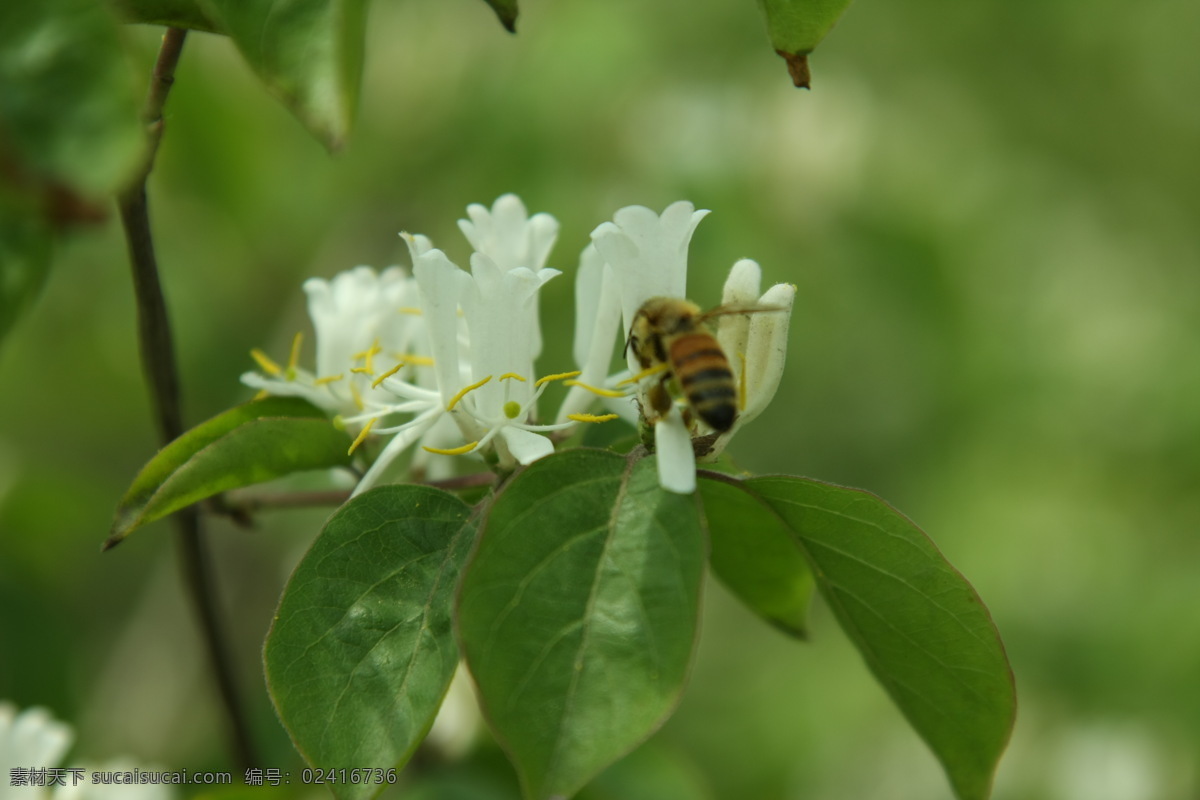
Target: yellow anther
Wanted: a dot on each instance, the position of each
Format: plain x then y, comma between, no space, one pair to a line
358,401
453,451
410,310
362,370
596,389
646,373
742,383
368,357
361,436
557,377
513,375
327,379
592,417
375,383
263,394
463,393
418,361
265,363
294,355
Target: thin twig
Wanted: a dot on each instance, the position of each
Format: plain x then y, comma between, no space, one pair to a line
241,504
158,363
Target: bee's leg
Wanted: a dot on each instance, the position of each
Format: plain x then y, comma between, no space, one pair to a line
660,399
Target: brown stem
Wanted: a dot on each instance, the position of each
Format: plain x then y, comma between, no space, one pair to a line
158,363
241,504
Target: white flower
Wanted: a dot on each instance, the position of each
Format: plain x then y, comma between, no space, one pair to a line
32,741
365,324
483,360
31,738
755,343
642,255
512,239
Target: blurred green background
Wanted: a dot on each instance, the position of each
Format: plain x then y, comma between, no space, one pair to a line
989,210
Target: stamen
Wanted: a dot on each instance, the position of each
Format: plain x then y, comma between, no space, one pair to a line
407,358
557,377
596,389
592,417
263,394
742,383
358,401
410,310
453,451
513,375
294,356
327,379
265,363
463,392
375,383
646,373
362,370
368,356
361,436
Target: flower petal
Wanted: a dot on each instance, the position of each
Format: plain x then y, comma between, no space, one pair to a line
526,446
675,456
648,252
733,330
440,285
398,444
766,351
32,738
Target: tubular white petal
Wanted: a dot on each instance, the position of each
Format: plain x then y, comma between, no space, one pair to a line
32,737
440,285
766,351
526,446
587,288
675,457
733,330
648,252
598,318
742,285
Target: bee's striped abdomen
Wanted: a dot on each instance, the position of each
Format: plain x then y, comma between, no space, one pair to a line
705,378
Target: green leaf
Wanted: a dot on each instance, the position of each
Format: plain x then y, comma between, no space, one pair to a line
362,650
577,614
796,27
70,101
249,444
755,556
506,10
308,52
918,624
175,13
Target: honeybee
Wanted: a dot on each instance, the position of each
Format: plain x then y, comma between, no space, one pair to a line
671,333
